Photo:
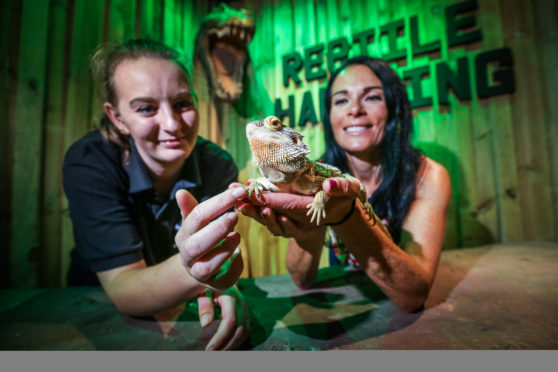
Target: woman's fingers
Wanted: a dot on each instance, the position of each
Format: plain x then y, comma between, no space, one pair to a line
204,241
186,202
210,264
286,202
228,324
235,184
249,210
227,275
203,213
342,186
197,216
233,329
269,219
206,310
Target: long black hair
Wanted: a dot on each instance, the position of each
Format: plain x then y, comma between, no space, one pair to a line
399,160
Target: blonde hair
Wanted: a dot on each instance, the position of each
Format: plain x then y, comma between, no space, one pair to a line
103,63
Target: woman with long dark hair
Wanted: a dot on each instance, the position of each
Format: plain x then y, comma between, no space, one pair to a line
368,124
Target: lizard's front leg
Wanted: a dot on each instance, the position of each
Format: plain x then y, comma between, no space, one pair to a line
317,207
259,185
362,198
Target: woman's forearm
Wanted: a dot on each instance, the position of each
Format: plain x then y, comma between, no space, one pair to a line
397,274
303,259
144,291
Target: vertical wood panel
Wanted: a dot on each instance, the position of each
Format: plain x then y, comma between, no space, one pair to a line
190,21
171,24
151,12
498,119
10,27
122,20
52,253
530,128
545,14
486,207
27,142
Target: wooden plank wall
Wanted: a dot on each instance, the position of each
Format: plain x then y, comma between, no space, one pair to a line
501,152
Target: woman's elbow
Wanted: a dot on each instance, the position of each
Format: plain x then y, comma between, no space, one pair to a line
413,303
126,307
412,306
304,284
302,281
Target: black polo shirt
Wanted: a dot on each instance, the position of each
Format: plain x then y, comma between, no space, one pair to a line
117,217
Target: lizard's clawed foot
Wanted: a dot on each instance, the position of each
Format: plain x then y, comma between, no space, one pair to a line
317,210
317,207
255,187
260,185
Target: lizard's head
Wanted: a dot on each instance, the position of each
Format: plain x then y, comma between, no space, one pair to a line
272,143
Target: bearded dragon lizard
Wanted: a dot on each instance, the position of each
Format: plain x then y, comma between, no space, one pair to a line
280,155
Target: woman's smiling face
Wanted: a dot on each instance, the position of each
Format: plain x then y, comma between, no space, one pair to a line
358,110
156,108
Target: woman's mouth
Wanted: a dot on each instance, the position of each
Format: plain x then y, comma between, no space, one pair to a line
357,129
172,143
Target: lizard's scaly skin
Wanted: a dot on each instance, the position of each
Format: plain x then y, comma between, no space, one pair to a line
280,155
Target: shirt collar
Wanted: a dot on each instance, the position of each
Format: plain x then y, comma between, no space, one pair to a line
190,175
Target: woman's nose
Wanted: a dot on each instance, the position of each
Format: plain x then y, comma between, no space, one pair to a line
169,120
355,108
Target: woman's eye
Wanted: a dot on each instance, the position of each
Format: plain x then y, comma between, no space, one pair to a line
183,105
339,101
375,97
145,109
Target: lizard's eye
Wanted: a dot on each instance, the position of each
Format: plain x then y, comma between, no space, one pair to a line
273,123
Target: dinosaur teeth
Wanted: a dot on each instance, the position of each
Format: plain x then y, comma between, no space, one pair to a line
220,32
242,33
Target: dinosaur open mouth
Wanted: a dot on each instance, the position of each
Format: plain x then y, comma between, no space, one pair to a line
226,55
226,58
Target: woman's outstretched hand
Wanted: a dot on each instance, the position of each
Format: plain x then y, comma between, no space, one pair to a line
206,239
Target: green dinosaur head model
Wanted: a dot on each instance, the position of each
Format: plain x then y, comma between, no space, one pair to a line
221,46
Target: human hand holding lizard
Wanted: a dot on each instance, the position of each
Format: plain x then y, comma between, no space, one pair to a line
285,214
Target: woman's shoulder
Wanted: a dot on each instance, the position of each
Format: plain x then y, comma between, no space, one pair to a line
93,143
217,167
94,151
210,152
434,179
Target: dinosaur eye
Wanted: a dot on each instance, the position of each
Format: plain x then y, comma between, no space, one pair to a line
273,123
